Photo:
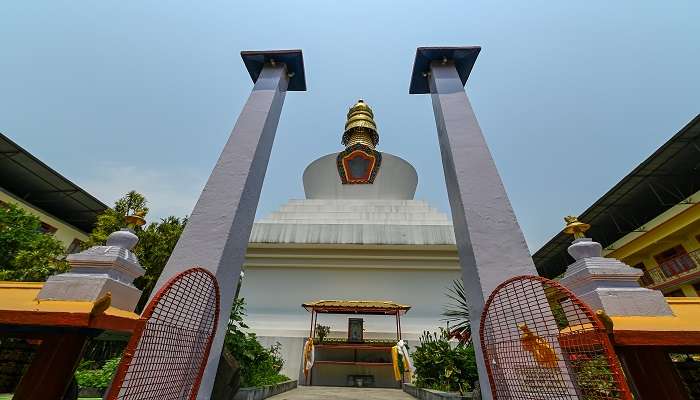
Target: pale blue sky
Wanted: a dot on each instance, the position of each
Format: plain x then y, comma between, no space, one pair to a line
571,96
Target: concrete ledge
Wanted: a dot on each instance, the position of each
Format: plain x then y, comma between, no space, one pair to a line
263,392
428,394
70,286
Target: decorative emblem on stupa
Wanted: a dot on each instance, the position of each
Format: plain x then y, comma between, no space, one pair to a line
359,162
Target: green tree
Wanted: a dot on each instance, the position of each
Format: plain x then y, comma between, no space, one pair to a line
113,218
156,239
156,243
27,254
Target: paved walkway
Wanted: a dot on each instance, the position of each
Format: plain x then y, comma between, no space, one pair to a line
341,393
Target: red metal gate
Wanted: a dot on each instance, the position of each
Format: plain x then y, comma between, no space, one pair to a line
541,342
167,353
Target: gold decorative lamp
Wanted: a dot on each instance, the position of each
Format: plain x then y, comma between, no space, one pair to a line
575,227
582,247
135,219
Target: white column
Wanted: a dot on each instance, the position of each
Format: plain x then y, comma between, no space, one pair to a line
490,244
217,232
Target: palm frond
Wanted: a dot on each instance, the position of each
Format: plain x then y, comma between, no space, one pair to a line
456,312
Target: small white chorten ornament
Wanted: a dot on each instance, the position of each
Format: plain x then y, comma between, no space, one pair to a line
604,283
581,247
101,269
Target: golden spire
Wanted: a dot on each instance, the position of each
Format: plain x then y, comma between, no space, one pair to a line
360,126
575,227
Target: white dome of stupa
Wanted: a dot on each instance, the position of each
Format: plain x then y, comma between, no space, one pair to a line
357,196
395,180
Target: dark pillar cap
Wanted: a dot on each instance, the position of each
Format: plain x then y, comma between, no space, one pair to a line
463,57
254,61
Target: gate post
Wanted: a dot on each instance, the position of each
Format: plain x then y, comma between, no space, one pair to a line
490,243
217,232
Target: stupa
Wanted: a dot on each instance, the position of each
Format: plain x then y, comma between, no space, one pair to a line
358,235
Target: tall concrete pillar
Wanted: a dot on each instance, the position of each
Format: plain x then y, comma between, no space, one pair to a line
217,232
490,244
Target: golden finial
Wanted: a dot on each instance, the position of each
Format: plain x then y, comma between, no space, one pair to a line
360,126
575,227
135,219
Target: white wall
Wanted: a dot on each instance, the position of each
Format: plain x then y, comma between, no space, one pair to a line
274,297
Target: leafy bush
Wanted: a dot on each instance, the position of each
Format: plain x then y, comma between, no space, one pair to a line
96,378
594,377
441,366
259,366
97,352
27,254
322,331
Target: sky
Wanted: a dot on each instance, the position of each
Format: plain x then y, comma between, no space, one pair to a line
571,96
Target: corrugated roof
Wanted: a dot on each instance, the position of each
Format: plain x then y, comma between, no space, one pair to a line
669,176
29,179
356,306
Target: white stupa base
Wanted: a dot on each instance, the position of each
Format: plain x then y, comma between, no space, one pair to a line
83,287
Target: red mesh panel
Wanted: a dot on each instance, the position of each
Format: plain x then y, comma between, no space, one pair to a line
166,356
541,342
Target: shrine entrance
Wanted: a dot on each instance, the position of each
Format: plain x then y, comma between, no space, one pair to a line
355,360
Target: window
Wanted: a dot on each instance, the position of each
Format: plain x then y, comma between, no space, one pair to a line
670,254
75,246
674,261
46,228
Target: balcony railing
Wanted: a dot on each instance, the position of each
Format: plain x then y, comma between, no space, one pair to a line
671,270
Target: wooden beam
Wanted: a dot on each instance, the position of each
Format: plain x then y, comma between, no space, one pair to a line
52,367
651,373
656,338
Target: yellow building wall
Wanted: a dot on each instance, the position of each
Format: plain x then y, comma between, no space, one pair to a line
65,233
679,227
